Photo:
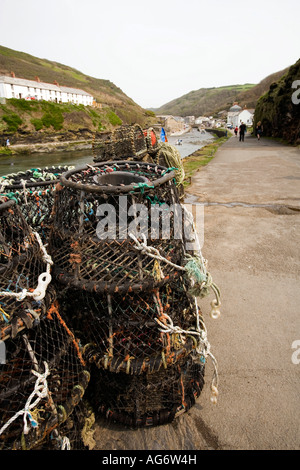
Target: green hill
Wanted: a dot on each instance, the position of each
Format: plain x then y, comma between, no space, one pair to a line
205,101
45,118
210,101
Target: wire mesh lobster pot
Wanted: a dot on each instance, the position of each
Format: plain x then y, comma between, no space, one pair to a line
24,271
33,190
75,433
33,336
151,141
132,332
119,299
149,399
124,143
145,372
43,379
94,220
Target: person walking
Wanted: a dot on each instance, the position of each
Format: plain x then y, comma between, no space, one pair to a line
259,130
236,130
242,129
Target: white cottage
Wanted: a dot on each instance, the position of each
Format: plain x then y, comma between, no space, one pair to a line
236,115
246,116
12,87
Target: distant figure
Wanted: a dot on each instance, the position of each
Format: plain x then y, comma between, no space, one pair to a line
259,130
242,129
7,143
236,130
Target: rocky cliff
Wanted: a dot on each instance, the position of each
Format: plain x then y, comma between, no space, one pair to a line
279,108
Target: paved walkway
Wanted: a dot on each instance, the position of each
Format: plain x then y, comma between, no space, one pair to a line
251,242
254,256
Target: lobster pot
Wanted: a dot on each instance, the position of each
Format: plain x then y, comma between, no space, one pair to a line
33,190
132,332
101,215
24,272
152,141
42,379
148,399
75,433
124,143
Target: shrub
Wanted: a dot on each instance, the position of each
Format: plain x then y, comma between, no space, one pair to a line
114,119
54,119
13,122
21,104
38,124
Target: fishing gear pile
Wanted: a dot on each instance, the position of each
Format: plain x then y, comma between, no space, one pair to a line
42,374
118,247
125,142
99,292
33,191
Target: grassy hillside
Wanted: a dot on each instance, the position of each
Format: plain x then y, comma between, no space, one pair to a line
117,107
209,101
204,101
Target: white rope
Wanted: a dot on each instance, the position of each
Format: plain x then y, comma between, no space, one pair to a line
189,216
151,251
65,443
24,190
43,280
202,349
154,253
3,184
41,391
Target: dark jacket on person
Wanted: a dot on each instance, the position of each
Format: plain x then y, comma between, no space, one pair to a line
242,128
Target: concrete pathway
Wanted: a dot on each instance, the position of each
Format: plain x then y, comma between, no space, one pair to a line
251,242
253,253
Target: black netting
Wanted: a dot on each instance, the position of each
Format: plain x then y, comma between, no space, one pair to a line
131,332
148,399
75,433
24,272
46,399
95,214
42,372
124,143
108,312
33,191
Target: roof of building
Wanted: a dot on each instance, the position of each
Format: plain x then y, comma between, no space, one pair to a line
41,85
235,107
251,111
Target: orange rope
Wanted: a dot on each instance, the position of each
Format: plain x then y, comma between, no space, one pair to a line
162,318
54,309
182,388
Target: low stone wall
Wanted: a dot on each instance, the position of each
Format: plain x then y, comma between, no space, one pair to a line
219,132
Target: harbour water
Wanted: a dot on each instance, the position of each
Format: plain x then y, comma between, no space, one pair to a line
191,141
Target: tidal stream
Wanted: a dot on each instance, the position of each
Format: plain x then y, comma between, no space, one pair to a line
191,141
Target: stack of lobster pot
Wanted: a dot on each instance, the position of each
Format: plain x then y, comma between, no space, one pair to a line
118,247
33,191
42,374
126,142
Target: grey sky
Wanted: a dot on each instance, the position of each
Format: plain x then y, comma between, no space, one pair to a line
158,50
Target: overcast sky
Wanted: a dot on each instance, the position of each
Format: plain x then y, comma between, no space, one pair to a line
158,50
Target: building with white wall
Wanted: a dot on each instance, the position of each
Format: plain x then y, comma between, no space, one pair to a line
12,87
246,116
236,115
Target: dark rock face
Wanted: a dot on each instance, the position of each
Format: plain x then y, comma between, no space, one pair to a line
279,109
